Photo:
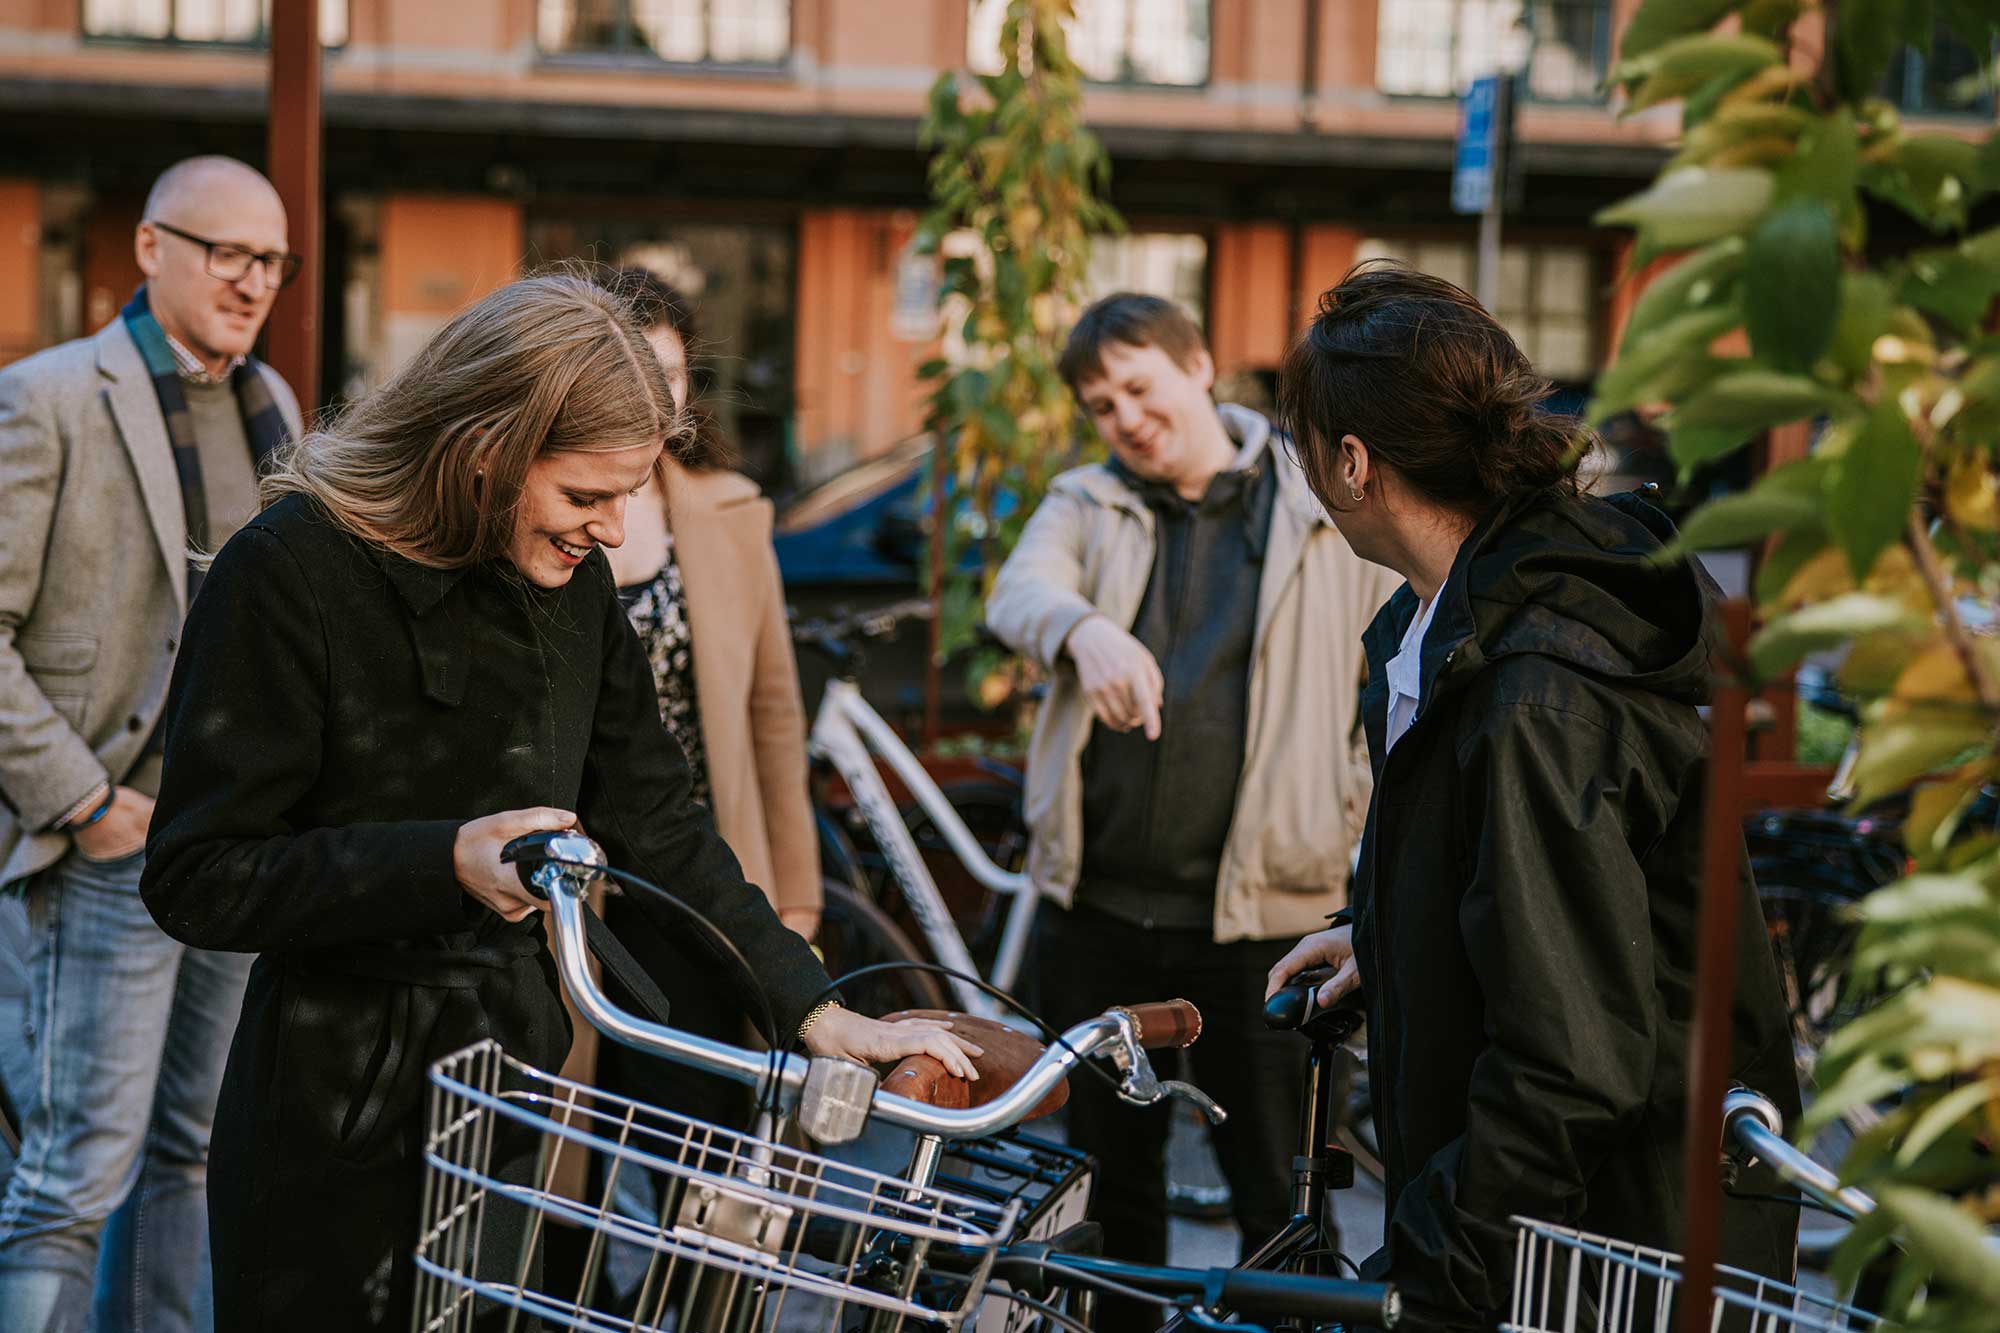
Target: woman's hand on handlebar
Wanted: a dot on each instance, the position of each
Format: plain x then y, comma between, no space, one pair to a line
843,1032
1327,948
475,858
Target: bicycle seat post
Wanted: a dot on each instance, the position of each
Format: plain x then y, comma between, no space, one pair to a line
1321,1164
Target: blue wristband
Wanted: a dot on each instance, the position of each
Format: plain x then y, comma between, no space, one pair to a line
103,809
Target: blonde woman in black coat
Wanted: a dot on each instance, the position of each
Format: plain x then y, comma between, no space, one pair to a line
415,655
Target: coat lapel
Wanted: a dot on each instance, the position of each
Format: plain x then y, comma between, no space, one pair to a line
135,408
709,544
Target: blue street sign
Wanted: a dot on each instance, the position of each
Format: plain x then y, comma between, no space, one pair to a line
1472,160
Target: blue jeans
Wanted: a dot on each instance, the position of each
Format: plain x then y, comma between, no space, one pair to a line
129,1031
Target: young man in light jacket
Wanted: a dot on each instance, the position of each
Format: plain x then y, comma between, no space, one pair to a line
1200,619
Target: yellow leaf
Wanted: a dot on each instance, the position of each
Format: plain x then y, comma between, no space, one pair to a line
1899,745
1972,495
1937,674
1825,575
1930,825
1765,83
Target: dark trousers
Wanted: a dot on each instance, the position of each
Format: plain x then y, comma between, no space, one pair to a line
1092,961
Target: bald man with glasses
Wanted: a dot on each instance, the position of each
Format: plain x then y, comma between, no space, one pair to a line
119,454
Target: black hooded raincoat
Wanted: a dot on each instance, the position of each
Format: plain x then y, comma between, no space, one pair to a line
1525,908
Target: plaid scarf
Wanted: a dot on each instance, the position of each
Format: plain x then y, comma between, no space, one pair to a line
263,424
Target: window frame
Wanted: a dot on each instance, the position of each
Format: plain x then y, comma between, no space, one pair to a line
633,55
1202,85
247,46
1524,82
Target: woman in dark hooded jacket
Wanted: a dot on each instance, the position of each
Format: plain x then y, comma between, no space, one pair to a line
1524,909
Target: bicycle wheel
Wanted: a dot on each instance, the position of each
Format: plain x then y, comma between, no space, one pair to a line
855,933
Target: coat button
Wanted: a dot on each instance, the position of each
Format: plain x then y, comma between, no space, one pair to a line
172,643
133,724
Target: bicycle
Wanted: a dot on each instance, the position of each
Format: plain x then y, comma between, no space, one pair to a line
848,736
753,1233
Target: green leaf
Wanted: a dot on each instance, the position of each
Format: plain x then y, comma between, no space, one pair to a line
1957,285
1644,372
1865,304
1770,18
1870,486
1691,446
1699,279
1932,177
1866,36
1823,625
1827,165
1951,1240
1943,1114
1791,285
1694,205
1751,400
1688,63
1738,520
1660,21
1898,749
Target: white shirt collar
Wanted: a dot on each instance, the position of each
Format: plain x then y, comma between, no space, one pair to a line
1406,672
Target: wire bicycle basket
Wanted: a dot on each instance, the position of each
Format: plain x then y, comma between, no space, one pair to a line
746,1235
1568,1281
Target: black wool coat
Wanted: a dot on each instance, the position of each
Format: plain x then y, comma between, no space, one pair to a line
337,712
1524,910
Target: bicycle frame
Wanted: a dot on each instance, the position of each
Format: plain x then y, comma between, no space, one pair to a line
848,733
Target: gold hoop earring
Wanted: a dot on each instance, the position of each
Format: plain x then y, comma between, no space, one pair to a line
1355,495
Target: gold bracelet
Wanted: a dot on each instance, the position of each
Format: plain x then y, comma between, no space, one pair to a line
814,1015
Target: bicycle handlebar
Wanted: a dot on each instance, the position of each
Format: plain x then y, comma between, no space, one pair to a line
569,862
1753,1123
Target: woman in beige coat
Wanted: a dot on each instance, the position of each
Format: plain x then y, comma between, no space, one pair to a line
700,582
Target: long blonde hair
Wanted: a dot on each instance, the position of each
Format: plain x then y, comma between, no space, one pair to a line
431,465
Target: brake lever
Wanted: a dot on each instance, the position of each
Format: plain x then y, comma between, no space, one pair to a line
1188,1092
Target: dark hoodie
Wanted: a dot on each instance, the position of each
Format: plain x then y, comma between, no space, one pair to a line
1525,909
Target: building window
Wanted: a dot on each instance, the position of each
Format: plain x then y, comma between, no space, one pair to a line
201,22
1545,295
1436,48
684,32
1169,264
1933,82
1146,42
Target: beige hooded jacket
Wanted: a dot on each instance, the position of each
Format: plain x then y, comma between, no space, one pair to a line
1089,550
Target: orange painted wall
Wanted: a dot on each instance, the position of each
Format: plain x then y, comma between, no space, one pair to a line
1325,254
1250,281
856,385
20,254
441,251
110,272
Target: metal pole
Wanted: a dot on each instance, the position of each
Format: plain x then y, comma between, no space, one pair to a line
933,669
292,157
1496,198
1715,976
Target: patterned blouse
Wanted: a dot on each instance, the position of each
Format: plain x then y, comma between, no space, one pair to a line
658,610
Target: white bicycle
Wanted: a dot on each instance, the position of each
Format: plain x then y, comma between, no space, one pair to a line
849,736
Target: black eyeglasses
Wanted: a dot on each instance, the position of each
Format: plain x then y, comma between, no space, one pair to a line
231,263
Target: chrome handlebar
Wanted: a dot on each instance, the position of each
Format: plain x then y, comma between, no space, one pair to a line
573,863
1753,1131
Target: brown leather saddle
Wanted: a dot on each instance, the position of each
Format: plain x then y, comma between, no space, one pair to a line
1009,1053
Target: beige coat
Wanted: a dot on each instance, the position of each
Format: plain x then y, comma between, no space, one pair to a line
93,579
753,722
1089,549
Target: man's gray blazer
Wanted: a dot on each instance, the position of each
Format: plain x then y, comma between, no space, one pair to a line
93,579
